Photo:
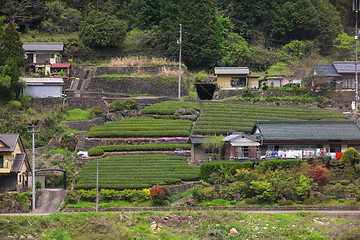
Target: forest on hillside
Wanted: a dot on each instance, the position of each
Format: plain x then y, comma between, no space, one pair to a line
260,34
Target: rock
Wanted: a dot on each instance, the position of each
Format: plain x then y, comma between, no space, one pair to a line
123,217
153,226
57,156
113,117
69,142
233,232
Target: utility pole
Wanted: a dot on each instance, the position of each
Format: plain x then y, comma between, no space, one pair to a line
180,40
33,165
356,6
97,185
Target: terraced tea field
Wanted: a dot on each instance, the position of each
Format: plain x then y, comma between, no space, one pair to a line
222,118
136,171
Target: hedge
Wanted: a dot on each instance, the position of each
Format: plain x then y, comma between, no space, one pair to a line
208,168
279,163
142,147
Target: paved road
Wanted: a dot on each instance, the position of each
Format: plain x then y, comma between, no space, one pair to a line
50,200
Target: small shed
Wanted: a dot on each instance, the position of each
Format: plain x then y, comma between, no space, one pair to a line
235,78
44,87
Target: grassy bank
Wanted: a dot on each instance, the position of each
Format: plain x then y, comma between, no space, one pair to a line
179,225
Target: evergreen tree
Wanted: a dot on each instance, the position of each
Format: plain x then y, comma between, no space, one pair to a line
12,58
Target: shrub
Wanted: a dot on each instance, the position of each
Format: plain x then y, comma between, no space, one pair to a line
96,151
131,104
350,157
71,197
251,200
95,112
285,202
88,195
116,106
200,193
38,185
320,175
157,195
208,168
109,194
13,104
279,164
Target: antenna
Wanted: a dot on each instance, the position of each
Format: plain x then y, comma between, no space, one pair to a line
356,8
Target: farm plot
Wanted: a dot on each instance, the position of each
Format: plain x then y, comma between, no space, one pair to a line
136,171
142,127
221,118
143,147
169,107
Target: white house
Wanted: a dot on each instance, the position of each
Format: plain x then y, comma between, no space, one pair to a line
44,87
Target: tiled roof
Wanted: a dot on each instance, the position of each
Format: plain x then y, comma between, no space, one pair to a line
18,162
307,130
346,67
43,46
10,141
325,70
231,70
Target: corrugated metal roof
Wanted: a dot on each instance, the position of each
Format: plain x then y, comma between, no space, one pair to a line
308,130
43,81
43,46
345,67
10,140
60,65
232,136
18,162
231,70
199,140
325,70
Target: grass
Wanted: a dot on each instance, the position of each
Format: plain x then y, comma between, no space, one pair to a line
180,225
169,107
139,61
76,114
108,203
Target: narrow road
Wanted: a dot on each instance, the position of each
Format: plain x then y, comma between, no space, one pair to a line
50,200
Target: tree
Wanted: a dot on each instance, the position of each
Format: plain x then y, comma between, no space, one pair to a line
350,157
101,29
11,60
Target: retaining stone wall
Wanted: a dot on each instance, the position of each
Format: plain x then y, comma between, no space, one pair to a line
152,70
84,125
175,189
93,142
156,86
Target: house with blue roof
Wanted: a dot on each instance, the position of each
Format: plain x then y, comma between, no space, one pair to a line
340,74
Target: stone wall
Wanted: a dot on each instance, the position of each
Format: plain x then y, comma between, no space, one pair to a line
151,70
155,86
175,189
93,142
84,125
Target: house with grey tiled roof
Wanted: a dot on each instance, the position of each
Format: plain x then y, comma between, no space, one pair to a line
340,74
235,78
327,137
286,139
41,55
14,165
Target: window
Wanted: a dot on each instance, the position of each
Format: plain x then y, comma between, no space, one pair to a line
243,152
52,55
238,81
1,161
335,148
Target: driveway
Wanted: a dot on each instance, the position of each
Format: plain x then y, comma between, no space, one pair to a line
50,200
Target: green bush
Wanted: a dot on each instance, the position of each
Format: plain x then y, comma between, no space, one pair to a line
279,164
13,104
88,195
116,106
38,185
109,194
350,157
95,112
96,151
131,104
208,168
71,197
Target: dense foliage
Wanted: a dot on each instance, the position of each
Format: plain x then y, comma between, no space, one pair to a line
136,171
225,33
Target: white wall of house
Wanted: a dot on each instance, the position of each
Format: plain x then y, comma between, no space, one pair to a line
43,91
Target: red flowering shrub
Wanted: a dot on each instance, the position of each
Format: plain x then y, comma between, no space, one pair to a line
320,175
157,194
